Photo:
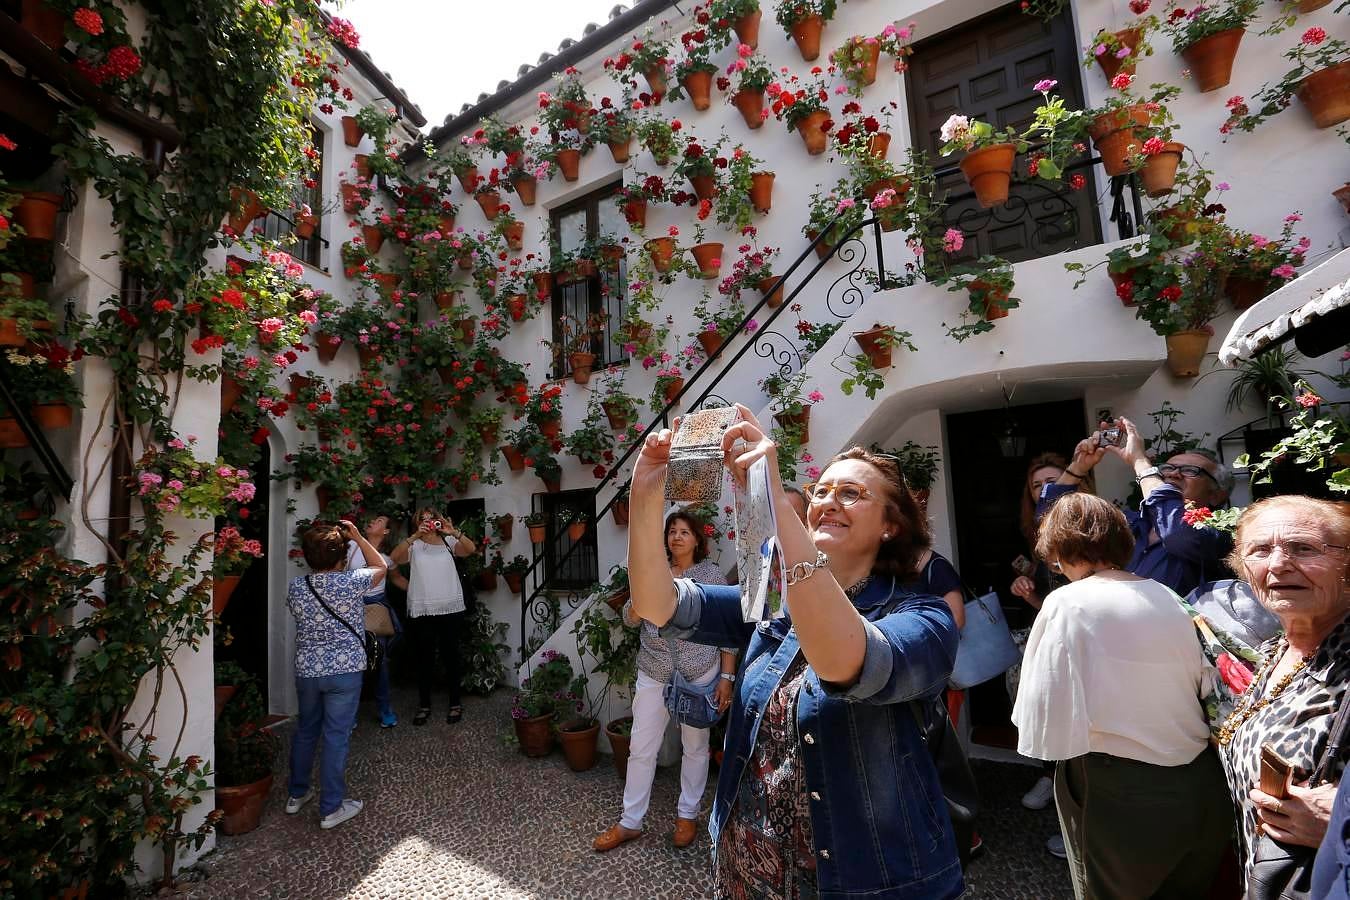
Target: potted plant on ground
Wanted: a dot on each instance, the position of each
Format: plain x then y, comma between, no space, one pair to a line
1320,78
989,156
988,283
245,752
804,106
538,702
1207,37
866,370
753,75
804,20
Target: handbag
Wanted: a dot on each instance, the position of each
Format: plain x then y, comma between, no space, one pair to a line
379,621
694,472
374,651
1284,871
987,648
949,758
688,703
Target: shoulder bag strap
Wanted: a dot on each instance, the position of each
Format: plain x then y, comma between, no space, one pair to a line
309,580
1335,744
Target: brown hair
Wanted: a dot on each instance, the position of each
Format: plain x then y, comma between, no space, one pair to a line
1081,528
324,546
1335,514
1027,517
900,555
696,526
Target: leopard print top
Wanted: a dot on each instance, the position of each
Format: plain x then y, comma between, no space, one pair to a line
1297,724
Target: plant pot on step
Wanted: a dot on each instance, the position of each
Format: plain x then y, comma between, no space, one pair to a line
581,363
242,805
43,22
993,299
51,416
771,283
1244,292
1111,66
11,436
1186,351
662,252
710,340
1326,94
1113,134
576,530
750,104
989,172
620,743
1210,59
761,191
1159,173
620,512
698,85
351,132
812,130
36,214
800,420
579,738
873,342
526,186
708,257
536,734
351,200
569,163
747,28
806,34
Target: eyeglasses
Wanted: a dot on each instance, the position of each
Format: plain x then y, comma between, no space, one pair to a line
1189,471
1298,551
846,492
1055,566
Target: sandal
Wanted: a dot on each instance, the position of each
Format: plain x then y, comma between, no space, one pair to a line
456,713
423,714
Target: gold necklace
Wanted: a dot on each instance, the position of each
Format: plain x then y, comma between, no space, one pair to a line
1239,716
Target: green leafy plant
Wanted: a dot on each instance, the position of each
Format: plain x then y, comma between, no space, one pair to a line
988,283
1313,53
1185,27
858,366
790,12
918,463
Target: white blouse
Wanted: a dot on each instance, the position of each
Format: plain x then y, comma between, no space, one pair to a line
433,581
1113,665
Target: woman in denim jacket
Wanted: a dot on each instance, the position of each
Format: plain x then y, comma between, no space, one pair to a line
827,788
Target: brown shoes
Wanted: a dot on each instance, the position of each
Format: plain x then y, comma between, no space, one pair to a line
613,836
685,832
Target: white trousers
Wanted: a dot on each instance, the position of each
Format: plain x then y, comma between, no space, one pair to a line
650,718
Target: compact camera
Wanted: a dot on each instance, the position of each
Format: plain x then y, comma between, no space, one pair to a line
1111,437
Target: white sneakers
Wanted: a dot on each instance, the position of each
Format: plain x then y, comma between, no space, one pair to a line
1040,795
344,812
295,804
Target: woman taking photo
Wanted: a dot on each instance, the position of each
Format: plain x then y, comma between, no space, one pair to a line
435,604
1111,689
330,657
827,786
377,532
687,556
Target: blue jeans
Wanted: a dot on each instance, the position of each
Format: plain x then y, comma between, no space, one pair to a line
382,677
328,708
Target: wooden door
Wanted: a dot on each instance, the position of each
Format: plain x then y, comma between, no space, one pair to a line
986,69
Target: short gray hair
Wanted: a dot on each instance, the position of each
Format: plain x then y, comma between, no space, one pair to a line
1223,476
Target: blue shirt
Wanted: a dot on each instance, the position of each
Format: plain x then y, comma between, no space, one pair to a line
878,816
323,645
1182,557
1331,871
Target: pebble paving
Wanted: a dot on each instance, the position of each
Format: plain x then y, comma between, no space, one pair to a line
453,812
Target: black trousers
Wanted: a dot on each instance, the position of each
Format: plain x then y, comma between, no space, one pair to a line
433,635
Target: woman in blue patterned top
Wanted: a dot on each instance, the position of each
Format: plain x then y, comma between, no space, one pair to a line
330,658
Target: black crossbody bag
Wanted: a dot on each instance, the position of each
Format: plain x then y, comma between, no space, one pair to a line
374,652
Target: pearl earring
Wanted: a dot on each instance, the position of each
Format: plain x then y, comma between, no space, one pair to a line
886,536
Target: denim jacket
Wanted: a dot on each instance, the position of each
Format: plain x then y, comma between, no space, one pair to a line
877,814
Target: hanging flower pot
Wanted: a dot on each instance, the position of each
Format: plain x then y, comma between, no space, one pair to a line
879,144
515,235
750,104
351,132
552,485
1119,280
806,33
505,525
1175,223
1185,351
989,172
761,191
800,420
616,413
538,533
446,225
698,85
672,389
1210,59
305,225
825,247
1243,291
525,186
465,261
635,212
621,150
372,237
994,298
569,163
323,495
578,739
709,259
576,530
36,214
230,392
812,130
581,363
489,202
543,284
747,28
875,344
620,513
771,283
516,307
1307,6
515,582
535,735
551,428
1113,134
366,354
222,589
447,299
223,693
1110,64
1326,94
327,346
300,382
514,459
44,23
27,286
871,55
705,186
710,340
468,179
1159,173
662,252
388,281
610,255
352,201
11,436
9,332
243,805
362,164
486,580
467,327
656,79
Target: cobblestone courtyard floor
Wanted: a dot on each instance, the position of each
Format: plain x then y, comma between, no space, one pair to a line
452,812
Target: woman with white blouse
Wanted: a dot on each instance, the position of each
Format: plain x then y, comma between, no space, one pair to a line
435,604
1111,689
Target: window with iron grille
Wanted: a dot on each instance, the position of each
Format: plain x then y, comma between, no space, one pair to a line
585,221
582,568
281,223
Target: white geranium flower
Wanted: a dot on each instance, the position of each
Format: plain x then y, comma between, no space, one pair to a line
955,128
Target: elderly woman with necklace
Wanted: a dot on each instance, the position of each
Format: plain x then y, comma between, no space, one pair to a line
1293,552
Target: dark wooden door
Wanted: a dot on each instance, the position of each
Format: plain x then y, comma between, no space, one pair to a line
986,69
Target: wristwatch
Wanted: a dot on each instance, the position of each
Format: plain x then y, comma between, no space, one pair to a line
729,676
1150,472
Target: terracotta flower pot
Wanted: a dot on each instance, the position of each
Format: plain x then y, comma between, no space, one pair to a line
505,525
305,225
872,54
747,28
1243,292
543,284
705,186
27,286
553,485
11,436
388,281
620,744
801,421
352,201
447,299
761,191
581,363
1120,278
750,104
9,332
710,340
672,389
1210,59
486,580
709,259
989,172
993,299
222,589
610,256
446,226
873,343
326,345
468,179
36,214
825,247
538,533
367,354
468,327
351,132
662,251
373,238
616,413
1342,194
535,735
879,144
300,382
1175,223
361,162
812,130
514,459
806,33
489,202
551,428
515,582
579,744
621,150
656,79
515,235
242,805
698,85
1159,173
1326,94
323,495
1307,6
771,283
576,530
44,23
1113,134
1185,351
569,163
230,392
525,186
516,306
1110,65
635,212
620,512
223,694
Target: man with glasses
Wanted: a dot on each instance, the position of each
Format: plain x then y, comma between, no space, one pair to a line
1166,549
